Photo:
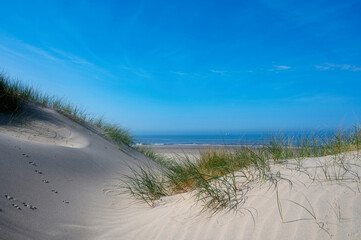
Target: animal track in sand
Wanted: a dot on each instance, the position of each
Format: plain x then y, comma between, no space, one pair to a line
9,198
16,206
29,206
54,191
33,164
66,202
26,155
12,199
37,171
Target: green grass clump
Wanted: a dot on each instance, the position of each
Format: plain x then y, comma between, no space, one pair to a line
10,102
14,95
213,178
145,184
117,134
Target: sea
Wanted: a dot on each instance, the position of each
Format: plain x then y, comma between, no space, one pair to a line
235,138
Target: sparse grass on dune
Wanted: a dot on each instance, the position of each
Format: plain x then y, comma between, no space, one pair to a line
146,185
116,133
220,178
14,95
9,101
150,153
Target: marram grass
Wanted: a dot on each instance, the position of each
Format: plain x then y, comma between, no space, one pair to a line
14,95
145,184
219,179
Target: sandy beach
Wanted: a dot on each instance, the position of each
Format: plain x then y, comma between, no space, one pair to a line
60,180
191,151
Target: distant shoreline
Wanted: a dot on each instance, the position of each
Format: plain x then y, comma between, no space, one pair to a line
189,150
191,145
248,139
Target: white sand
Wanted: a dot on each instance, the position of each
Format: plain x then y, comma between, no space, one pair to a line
192,152
84,170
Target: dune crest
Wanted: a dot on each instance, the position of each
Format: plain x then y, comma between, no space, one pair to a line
45,126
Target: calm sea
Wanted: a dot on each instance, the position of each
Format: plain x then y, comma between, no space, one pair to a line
245,138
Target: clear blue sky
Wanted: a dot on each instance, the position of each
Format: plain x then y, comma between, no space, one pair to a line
157,66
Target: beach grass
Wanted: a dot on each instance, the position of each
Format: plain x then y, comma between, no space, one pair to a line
219,178
14,95
145,184
9,101
150,153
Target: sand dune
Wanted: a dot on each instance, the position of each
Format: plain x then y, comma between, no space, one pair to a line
61,183
43,125
65,184
336,206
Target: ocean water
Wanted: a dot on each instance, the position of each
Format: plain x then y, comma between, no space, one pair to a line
245,138
204,139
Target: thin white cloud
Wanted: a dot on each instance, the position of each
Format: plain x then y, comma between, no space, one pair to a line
17,47
135,71
279,68
180,73
218,71
72,58
10,51
322,67
282,67
331,66
325,98
40,52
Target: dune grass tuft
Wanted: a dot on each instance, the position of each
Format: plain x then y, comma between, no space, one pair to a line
220,178
9,100
14,94
150,153
116,133
145,184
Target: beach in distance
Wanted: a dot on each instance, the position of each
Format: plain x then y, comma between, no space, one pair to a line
231,138
201,139
176,151
180,120
181,144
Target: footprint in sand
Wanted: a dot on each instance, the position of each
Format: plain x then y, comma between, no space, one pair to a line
16,206
29,206
26,155
56,192
66,202
33,164
10,198
37,171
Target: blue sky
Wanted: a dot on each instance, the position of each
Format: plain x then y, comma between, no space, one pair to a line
174,66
